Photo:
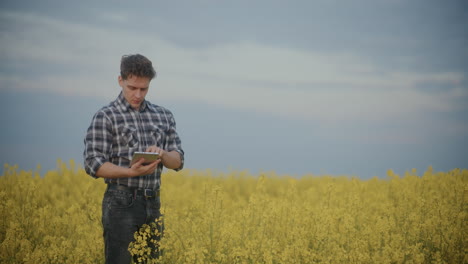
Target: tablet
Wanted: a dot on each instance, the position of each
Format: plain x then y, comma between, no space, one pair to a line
148,156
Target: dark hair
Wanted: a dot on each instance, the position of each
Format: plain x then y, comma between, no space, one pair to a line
137,65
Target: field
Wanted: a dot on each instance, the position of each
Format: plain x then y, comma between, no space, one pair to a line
214,217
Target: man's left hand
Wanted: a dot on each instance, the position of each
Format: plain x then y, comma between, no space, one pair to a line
155,149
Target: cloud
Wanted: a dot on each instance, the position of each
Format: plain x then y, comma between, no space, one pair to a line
297,83
82,59
114,17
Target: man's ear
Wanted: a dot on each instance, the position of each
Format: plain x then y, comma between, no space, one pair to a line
120,80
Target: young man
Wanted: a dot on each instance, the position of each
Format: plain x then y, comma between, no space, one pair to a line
129,124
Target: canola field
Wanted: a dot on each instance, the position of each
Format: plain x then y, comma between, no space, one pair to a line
235,217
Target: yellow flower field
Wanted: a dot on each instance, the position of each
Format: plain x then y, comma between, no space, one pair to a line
214,217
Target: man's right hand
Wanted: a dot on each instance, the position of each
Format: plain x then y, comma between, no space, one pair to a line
138,169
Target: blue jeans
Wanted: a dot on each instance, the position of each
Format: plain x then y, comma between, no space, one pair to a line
123,213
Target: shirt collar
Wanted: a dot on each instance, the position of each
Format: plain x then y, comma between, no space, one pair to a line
125,105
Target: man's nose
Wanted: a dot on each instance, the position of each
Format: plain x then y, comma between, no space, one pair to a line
138,94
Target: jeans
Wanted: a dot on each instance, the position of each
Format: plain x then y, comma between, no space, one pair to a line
123,213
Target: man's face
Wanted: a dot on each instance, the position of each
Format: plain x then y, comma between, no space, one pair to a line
134,89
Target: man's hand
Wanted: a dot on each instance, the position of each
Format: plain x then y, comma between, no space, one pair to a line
155,149
170,159
138,169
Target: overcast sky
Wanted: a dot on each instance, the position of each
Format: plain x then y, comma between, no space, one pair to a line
296,87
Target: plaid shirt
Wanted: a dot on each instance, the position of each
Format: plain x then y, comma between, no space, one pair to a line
117,131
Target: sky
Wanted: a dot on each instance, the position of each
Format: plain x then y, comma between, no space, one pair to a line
320,87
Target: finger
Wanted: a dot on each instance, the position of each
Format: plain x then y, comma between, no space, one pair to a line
150,168
150,165
156,162
139,163
157,149
151,149
154,165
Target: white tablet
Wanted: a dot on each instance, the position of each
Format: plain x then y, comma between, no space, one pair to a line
148,156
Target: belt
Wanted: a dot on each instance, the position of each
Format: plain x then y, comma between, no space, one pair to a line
147,193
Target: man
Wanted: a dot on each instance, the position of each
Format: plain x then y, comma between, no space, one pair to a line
129,124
